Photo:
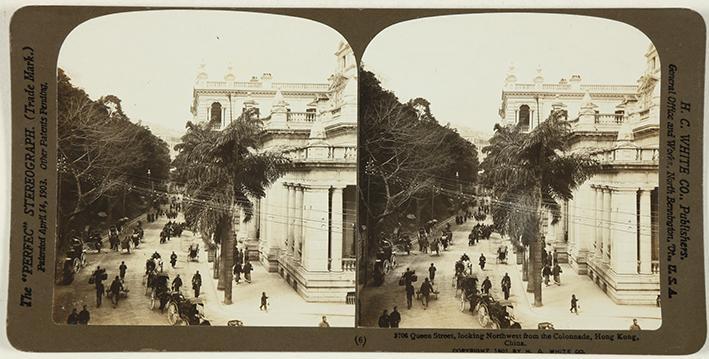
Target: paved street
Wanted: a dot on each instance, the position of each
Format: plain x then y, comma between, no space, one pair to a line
287,308
445,312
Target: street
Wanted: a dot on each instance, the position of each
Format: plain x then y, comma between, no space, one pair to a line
445,311
286,307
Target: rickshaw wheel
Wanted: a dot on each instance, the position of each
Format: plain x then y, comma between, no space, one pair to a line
173,316
393,261
386,266
494,324
462,303
483,317
77,265
153,301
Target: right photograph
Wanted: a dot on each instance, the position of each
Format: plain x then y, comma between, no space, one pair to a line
508,174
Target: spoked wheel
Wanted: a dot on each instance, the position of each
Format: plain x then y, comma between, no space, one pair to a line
393,261
483,316
386,266
153,301
77,265
173,316
494,324
462,303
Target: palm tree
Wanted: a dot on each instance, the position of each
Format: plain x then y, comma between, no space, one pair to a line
530,173
224,170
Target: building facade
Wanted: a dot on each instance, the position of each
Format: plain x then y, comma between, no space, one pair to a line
609,230
304,227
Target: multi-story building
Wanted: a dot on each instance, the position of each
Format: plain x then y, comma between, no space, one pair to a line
304,227
610,228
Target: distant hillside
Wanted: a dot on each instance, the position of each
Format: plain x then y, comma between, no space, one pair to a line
170,135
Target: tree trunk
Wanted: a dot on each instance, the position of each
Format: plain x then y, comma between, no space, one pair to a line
228,241
525,264
220,265
215,265
536,261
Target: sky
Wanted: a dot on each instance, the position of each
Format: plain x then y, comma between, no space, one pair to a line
459,63
149,59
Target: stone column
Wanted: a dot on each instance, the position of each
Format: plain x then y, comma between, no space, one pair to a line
571,228
336,230
645,233
606,223
287,212
298,227
624,228
315,223
291,220
598,220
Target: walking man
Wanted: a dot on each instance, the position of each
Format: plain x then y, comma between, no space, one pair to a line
247,271
409,295
574,304
482,261
487,284
384,320
73,317
394,318
122,270
237,272
506,285
177,283
425,291
173,259
196,283
264,302
556,272
546,272
84,316
115,290
432,272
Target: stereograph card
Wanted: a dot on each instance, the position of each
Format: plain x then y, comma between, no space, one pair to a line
324,179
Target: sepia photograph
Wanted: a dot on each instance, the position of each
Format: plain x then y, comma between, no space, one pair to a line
509,173
207,171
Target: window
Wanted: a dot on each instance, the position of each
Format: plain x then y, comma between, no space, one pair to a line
523,116
215,114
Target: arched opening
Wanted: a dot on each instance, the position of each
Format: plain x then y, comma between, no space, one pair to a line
215,116
523,116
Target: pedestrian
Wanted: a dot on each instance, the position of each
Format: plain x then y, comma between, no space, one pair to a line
173,259
546,272
84,316
98,277
556,272
425,292
177,283
482,261
115,290
122,270
384,320
73,317
409,296
324,323
237,272
544,257
506,284
247,271
574,304
394,318
657,301
487,284
432,272
555,257
264,302
196,283
635,325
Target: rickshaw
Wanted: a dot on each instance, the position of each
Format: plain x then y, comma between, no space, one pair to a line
125,243
185,311
496,314
74,260
467,285
160,290
386,256
193,252
501,255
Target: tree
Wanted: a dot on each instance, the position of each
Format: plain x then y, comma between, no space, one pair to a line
529,173
221,171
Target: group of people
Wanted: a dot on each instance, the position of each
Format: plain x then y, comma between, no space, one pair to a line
171,229
407,280
83,317
551,267
115,288
390,320
427,242
242,265
479,231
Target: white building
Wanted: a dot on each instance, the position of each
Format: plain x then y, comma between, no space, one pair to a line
610,228
304,227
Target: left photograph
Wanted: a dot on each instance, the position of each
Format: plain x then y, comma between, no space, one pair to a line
207,171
